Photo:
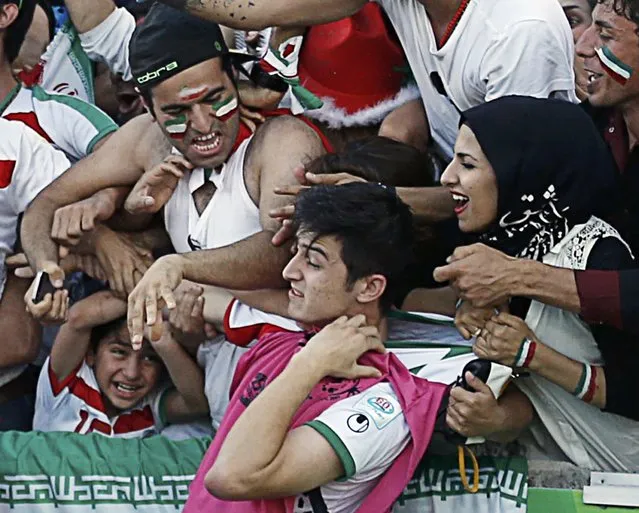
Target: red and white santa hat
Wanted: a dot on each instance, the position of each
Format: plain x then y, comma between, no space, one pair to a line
358,69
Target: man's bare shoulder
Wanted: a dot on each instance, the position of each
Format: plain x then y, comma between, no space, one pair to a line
278,133
145,139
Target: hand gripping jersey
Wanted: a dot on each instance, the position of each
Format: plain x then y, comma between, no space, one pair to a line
353,427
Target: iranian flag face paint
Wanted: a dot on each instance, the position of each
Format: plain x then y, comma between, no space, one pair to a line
224,109
176,127
614,66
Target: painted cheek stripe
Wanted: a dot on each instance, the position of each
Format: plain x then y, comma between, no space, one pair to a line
226,109
188,95
176,128
614,66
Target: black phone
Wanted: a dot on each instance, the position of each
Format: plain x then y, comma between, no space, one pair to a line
42,288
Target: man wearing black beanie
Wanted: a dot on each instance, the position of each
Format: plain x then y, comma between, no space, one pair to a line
194,157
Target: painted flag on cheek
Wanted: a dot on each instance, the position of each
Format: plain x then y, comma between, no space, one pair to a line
224,109
614,66
176,127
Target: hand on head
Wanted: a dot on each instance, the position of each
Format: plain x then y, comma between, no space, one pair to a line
306,180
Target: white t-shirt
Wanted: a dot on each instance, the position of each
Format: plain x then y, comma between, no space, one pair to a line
75,405
108,42
66,67
499,48
367,432
68,123
27,165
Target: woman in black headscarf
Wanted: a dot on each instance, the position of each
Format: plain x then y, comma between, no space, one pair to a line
529,177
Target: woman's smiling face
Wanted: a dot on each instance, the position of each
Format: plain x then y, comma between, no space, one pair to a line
472,181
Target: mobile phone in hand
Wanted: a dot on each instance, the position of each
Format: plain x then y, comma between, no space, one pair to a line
42,287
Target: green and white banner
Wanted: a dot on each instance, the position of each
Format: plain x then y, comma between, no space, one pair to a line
437,487
65,472
69,473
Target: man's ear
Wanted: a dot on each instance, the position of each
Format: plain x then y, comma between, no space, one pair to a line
371,288
146,105
8,14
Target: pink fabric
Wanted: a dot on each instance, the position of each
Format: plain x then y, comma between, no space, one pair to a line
419,399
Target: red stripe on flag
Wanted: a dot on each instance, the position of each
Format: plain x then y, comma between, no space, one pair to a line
6,172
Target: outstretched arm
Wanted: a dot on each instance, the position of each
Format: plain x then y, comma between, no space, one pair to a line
187,401
119,162
260,14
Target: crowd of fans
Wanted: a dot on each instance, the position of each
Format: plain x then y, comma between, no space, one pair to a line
209,209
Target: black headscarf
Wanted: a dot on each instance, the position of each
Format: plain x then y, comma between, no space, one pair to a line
553,171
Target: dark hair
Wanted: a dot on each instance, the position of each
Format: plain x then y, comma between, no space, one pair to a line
378,159
48,10
227,66
374,226
99,333
629,9
16,33
592,4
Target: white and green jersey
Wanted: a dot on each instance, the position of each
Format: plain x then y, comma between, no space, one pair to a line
27,165
67,65
368,432
69,124
65,68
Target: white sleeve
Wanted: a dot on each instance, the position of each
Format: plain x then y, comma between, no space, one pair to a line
109,42
367,431
38,165
531,59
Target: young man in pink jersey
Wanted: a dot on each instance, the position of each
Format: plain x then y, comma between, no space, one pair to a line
326,420
95,381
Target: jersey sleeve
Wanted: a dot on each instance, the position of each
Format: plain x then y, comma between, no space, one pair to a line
367,431
78,125
37,166
109,42
531,59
